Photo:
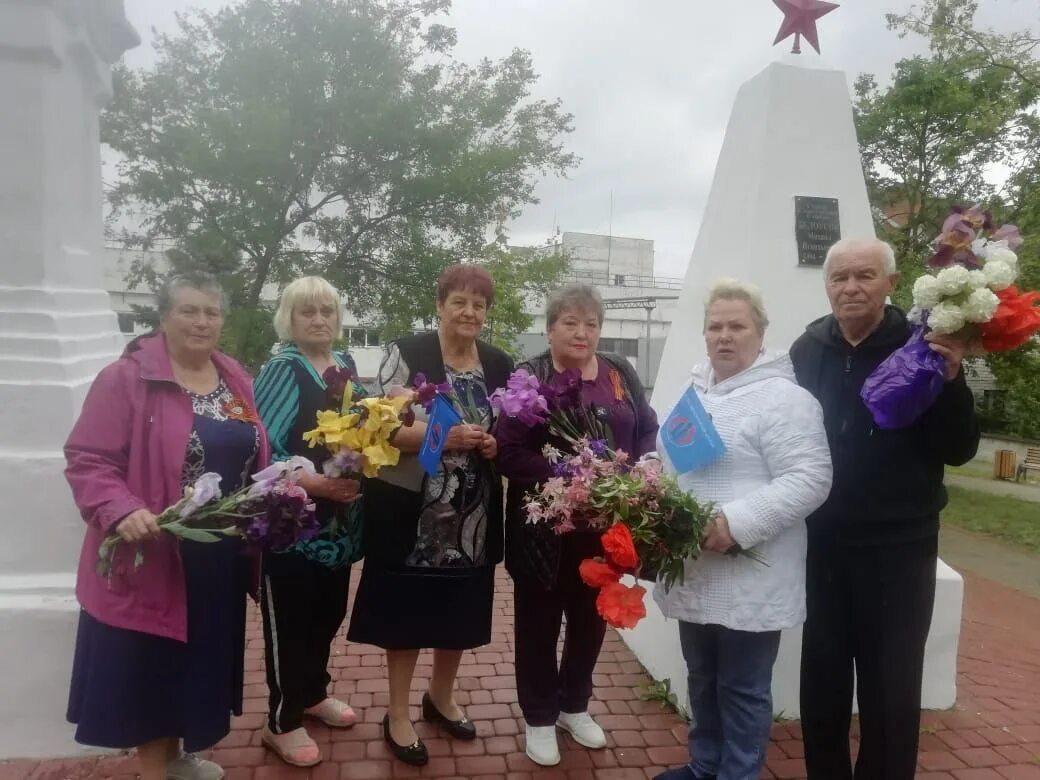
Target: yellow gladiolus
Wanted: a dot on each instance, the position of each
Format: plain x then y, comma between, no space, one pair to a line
379,455
367,431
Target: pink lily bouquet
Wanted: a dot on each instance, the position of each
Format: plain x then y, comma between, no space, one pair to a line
272,513
653,527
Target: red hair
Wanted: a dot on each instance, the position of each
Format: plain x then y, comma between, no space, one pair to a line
466,277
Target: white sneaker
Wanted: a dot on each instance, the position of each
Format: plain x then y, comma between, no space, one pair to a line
583,728
189,766
542,747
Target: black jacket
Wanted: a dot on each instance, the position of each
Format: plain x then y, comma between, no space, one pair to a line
533,551
888,484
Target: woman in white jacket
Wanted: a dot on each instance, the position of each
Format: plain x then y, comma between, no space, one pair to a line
775,471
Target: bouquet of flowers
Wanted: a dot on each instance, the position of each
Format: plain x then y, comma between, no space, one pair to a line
357,431
535,403
273,513
426,393
970,297
651,525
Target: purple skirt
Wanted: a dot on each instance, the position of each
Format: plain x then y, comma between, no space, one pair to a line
129,687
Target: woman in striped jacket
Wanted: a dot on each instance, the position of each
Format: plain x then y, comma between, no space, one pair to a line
304,590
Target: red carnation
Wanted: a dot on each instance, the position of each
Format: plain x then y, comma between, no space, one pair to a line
1016,320
597,574
621,606
619,547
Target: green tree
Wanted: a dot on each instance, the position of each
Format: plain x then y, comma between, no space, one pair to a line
951,28
332,138
997,98
522,276
926,140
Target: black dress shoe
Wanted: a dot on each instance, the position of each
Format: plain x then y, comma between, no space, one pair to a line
460,729
414,754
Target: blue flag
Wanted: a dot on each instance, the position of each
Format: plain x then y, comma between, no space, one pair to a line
688,435
442,418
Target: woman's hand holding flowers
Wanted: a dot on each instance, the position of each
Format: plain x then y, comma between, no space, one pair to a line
488,447
338,489
464,437
718,538
138,526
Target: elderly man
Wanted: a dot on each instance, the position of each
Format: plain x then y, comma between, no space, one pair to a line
872,550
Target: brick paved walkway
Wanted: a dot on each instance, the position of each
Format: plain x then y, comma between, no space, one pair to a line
992,734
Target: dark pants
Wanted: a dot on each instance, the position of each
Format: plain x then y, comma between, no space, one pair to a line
869,611
730,679
303,605
545,688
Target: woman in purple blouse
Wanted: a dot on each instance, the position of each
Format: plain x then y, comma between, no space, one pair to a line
544,566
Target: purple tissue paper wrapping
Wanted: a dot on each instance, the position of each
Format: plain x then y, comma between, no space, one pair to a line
905,384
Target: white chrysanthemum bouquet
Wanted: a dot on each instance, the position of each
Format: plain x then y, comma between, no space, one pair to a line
971,298
977,267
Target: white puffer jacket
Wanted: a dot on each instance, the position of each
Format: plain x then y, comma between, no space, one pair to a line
776,471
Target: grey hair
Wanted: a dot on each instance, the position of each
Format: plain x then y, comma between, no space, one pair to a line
192,280
736,290
884,249
584,297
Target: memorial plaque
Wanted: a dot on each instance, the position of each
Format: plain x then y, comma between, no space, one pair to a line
816,227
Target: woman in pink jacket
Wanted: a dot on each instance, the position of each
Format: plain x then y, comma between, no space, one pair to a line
160,647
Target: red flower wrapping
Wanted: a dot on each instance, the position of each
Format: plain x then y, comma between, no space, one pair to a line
1016,320
621,606
619,547
597,574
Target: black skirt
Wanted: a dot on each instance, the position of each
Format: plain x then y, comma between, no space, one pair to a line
400,606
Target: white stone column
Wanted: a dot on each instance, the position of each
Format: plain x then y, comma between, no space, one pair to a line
56,331
791,134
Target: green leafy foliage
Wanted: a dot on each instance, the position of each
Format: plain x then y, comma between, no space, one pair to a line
338,138
960,126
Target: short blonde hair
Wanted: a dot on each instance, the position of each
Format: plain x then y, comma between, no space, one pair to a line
736,290
306,289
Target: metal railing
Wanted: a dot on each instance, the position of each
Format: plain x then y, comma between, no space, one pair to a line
604,279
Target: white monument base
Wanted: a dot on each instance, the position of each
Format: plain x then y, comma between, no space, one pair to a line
37,634
655,642
52,343
57,330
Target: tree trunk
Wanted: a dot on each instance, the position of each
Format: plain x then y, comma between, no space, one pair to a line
263,270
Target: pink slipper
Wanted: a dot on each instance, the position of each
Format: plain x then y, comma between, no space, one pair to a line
294,747
333,713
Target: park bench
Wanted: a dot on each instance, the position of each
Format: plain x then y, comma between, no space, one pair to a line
1032,462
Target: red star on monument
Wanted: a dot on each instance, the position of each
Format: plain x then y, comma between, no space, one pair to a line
800,19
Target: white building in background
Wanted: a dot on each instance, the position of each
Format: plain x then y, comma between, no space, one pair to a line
639,304
609,259
364,341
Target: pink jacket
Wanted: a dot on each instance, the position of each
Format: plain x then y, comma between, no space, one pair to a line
126,452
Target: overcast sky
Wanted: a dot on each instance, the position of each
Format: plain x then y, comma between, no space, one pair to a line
651,84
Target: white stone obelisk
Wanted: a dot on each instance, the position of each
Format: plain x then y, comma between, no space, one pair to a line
791,135
56,331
